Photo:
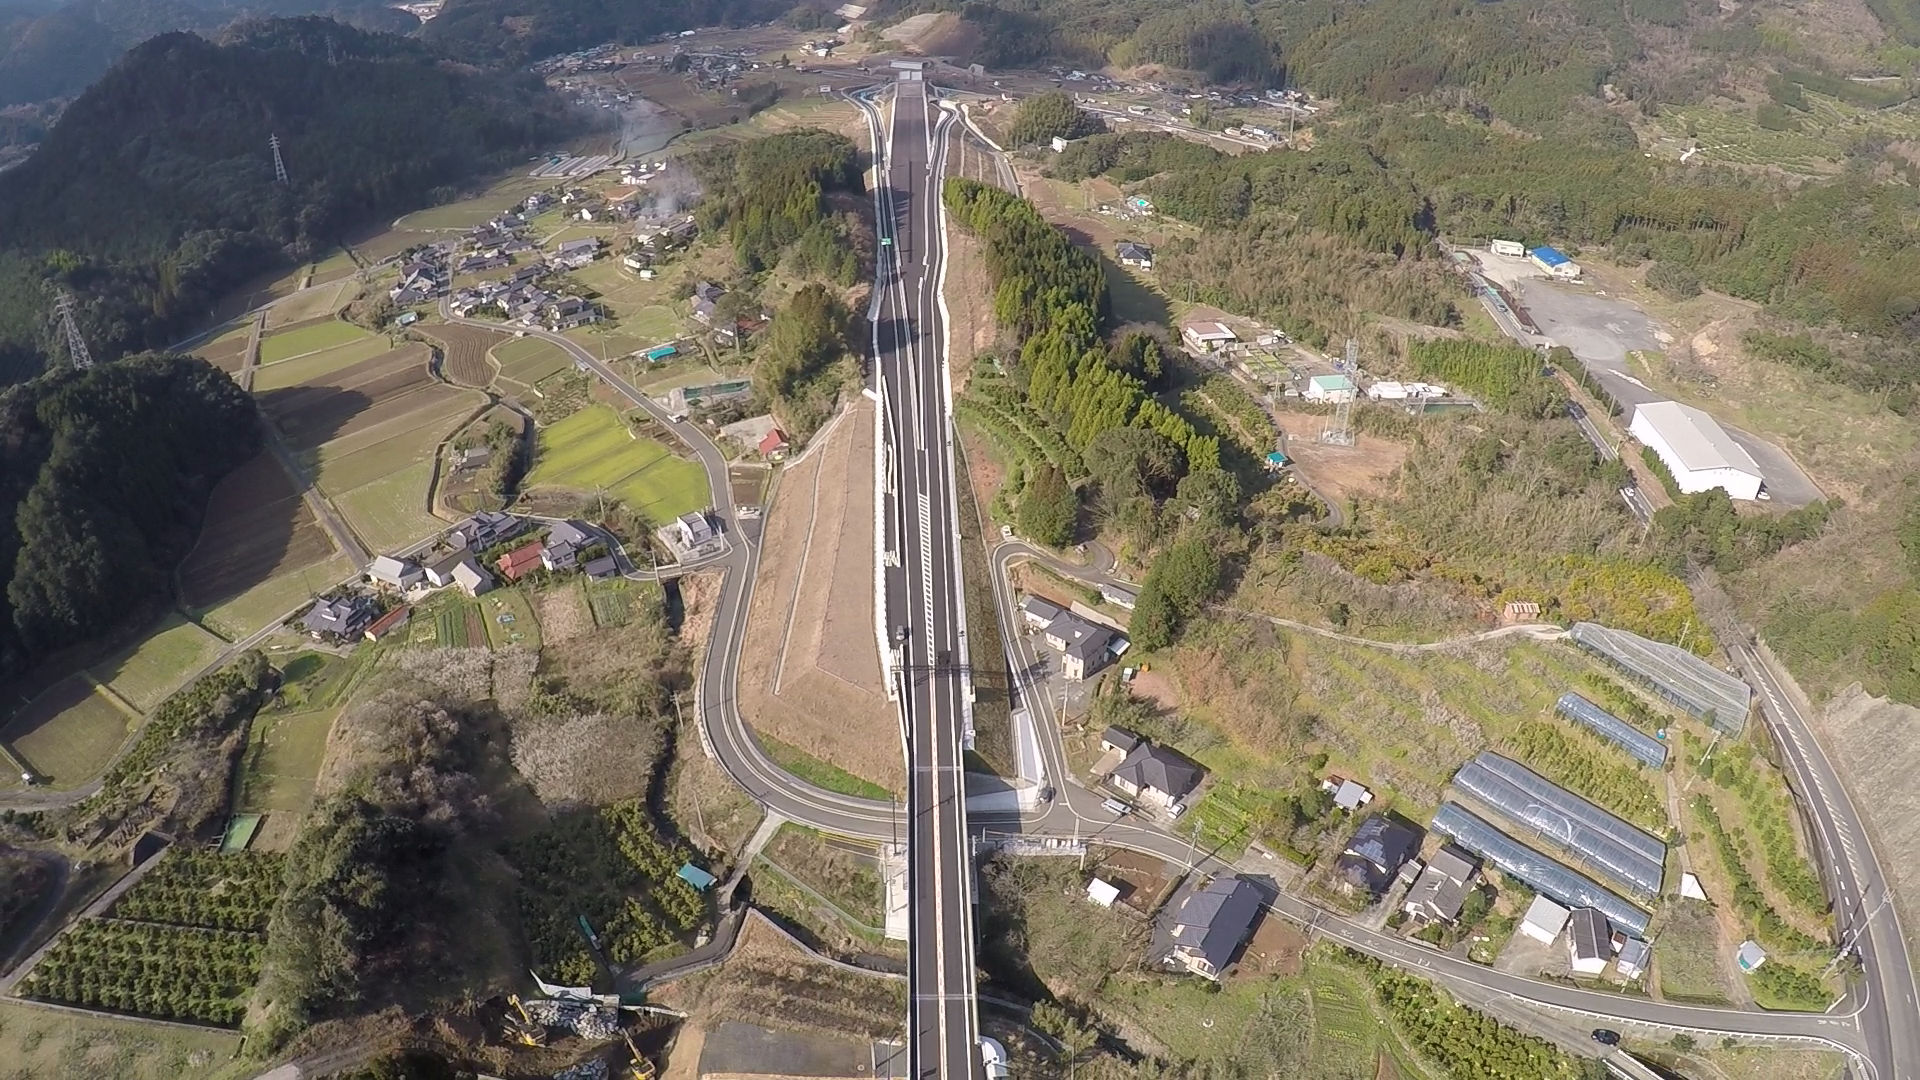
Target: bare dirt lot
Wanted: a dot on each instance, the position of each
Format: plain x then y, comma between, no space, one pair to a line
1339,471
1275,949
810,671
256,527
768,981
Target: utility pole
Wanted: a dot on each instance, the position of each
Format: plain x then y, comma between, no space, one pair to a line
70,329
279,166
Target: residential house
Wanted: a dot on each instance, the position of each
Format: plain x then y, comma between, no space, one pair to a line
1084,647
703,309
1211,923
574,254
393,573
1118,740
705,296
487,528
1375,854
1543,920
515,564
1156,776
1589,942
564,544
1442,887
635,262
774,446
569,312
471,579
1633,958
343,617
602,568
1206,337
388,623
1134,254
474,457
1039,612
694,530
1119,595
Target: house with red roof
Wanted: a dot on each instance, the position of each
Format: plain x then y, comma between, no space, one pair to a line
515,564
773,445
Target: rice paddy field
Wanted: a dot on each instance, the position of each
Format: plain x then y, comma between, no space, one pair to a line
315,301
391,513
528,360
314,366
311,338
236,616
69,733
144,675
593,450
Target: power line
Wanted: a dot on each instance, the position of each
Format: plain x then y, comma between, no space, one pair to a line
70,328
279,166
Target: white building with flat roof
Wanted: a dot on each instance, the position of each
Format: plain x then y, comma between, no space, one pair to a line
1696,449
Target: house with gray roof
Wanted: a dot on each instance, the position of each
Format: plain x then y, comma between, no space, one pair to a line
1084,646
394,573
345,617
1210,924
1441,889
1375,854
1156,775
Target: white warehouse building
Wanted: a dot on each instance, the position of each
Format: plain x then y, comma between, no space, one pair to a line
1696,449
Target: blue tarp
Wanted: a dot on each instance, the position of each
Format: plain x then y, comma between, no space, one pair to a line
696,877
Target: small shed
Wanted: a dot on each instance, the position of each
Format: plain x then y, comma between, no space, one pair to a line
1544,920
1750,956
388,623
1634,957
696,877
1327,388
1102,893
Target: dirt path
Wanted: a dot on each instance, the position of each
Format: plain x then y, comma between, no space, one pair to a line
1536,631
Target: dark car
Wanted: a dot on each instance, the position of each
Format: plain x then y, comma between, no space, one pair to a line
1605,1037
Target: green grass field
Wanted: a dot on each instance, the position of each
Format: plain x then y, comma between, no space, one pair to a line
592,450
310,303
237,616
68,734
819,773
413,443
144,675
391,512
528,360
308,339
645,328
509,619
283,761
41,1043
315,366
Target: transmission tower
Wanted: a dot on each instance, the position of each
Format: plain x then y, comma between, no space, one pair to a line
279,166
76,345
1339,429
333,60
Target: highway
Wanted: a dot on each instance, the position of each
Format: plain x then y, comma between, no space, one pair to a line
924,600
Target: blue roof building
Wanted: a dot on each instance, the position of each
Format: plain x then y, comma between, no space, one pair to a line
696,877
1554,262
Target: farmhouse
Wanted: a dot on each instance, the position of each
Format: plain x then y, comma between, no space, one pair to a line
1156,776
458,568
1554,263
1696,450
1210,924
1084,646
343,618
1375,854
1589,942
1442,887
393,573
773,446
1208,336
485,529
573,254
1134,254
564,543
515,564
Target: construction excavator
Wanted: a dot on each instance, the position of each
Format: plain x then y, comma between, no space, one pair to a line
641,1068
523,1028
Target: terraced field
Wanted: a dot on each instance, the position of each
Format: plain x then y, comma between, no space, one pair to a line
528,360
313,336
465,349
593,450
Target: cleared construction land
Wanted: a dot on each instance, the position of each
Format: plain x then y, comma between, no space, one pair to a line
594,450
810,669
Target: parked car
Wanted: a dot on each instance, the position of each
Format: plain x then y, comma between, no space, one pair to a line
1605,1037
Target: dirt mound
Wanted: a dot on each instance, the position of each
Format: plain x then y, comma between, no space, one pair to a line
1872,744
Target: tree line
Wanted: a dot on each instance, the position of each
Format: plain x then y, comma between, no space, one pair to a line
769,193
104,476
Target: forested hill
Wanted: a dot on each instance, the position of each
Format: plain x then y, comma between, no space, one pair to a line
104,475
515,31
154,194
56,53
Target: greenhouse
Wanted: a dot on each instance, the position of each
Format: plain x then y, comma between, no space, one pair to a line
1649,750
1674,673
1617,850
1537,871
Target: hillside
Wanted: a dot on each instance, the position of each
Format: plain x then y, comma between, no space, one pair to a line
48,52
515,31
156,188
